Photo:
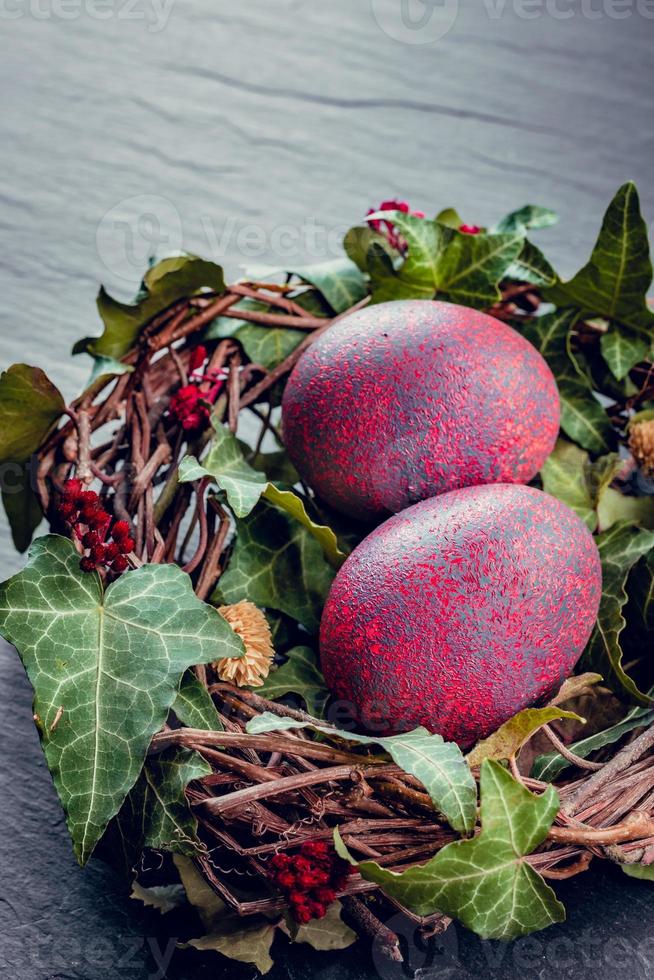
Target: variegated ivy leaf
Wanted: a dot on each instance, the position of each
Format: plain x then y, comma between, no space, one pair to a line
582,417
244,487
439,765
485,882
166,282
194,706
512,735
339,280
620,548
615,280
156,813
277,564
299,675
442,261
105,667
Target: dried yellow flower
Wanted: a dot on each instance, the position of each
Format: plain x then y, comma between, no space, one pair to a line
252,626
641,444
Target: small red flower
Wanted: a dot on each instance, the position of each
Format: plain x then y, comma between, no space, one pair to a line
189,408
470,229
197,358
310,880
82,511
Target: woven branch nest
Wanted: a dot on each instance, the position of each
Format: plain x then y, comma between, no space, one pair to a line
270,793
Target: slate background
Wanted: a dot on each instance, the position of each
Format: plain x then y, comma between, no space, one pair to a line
217,126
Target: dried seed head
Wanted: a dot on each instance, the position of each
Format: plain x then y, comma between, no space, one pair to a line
641,444
252,626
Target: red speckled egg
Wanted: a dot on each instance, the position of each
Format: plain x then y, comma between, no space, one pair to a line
406,400
460,611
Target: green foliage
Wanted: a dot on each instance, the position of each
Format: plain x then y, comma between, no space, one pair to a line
245,486
105,668
339,280
30,405
166,282
194,706
620,548
277,564
300,675
615,280
485,882
512,735
439,765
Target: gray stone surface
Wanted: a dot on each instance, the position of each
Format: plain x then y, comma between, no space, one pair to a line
223,126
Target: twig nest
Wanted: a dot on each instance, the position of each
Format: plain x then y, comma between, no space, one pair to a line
641,444
252,626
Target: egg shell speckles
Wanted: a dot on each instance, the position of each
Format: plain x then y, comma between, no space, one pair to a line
460,611
406,400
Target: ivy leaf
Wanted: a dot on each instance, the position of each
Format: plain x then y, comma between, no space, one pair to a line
330,932
357,243
622,348
156,813
582,417
439,765
464,268
450,217
165,898
620,548
584,486
485,882
22,507
166,282
643,871
194,706
532,266
614,282
276,563
245,486
247,942
340,281
299,675
526,217
512,735
267,346
549,766
112,661
107,367
30,405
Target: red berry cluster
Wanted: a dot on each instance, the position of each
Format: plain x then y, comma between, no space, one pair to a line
310,880
82,510
188,407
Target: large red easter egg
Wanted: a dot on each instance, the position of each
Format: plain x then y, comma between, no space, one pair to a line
406,400
460,611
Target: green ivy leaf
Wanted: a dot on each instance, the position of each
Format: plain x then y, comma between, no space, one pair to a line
276,563
463,268
340,281
112,661
439,765
357,244
450,217
549,766
643,871
166,282
512,735
526,217
622,348
267,346
22,508
485,882
330,932
245,486
615,280
30,405
299,675
156,812
620,548
532,266
194,706
582,417
584,486
107,367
